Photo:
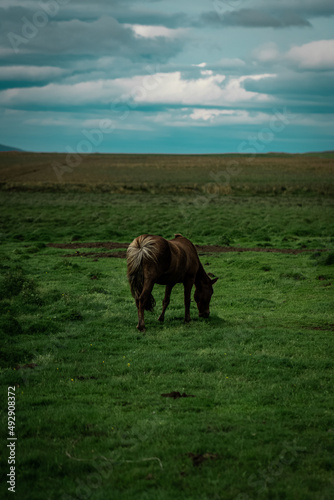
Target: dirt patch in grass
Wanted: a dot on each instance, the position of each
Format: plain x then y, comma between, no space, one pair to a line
202,249
109,245
199,458
99,255
28,365
218,249
323,328
176,395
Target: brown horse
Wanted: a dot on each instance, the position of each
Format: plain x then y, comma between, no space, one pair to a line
152,259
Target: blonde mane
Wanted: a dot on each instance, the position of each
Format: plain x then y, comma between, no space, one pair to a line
143,248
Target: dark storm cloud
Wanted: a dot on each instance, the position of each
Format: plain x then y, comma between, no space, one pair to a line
84,49
270,14
86,28
253,18
124,12
307,8
104,36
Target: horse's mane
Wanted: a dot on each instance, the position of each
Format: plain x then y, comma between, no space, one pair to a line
143,248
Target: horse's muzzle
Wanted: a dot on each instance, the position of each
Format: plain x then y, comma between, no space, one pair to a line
206,314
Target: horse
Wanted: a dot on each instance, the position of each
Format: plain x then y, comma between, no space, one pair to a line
153,259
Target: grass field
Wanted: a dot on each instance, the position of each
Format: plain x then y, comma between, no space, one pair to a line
91,421
215,174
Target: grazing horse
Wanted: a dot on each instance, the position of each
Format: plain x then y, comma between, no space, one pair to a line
152,259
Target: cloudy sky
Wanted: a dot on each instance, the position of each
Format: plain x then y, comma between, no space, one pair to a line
176,76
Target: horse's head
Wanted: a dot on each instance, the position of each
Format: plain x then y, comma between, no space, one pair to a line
202,296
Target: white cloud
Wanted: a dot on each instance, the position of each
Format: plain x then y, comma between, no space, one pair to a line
235,93
257,77
209,114
145,31
317,55
228,116
170,88
199,117
159,88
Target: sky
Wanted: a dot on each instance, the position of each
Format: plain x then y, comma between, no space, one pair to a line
176,76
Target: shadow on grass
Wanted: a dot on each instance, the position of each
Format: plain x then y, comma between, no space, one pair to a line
213,321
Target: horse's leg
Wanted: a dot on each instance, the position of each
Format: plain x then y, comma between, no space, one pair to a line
188,284
165,302
148,287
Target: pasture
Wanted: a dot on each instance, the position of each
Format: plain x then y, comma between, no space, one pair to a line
238,406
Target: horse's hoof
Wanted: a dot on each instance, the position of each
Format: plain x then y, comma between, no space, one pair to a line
161,319
187,320
142,329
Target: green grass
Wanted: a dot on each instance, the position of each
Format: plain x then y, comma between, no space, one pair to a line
282,221
90,418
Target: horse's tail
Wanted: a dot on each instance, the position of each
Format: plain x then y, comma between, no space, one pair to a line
142,249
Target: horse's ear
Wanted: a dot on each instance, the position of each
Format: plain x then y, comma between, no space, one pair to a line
214,281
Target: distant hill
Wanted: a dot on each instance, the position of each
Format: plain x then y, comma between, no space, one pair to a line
4,148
